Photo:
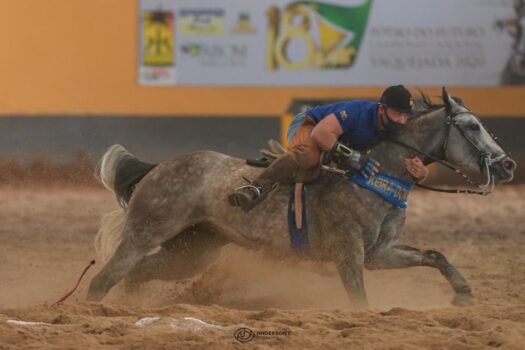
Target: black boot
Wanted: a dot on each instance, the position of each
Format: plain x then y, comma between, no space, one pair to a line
248,196
282,169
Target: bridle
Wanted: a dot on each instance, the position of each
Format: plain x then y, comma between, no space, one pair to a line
486,158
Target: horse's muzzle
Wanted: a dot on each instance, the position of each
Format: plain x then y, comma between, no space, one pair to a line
503,170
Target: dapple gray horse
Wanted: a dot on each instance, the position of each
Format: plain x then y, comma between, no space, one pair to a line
181,205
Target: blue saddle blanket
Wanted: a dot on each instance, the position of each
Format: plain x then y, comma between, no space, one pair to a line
389,188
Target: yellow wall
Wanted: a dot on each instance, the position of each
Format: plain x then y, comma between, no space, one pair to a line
80,57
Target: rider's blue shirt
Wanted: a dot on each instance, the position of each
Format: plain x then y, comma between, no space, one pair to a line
358,119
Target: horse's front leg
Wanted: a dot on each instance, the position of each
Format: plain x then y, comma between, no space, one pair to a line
402,256
387,254
350,265
463,291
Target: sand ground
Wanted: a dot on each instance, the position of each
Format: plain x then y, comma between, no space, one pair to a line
46,240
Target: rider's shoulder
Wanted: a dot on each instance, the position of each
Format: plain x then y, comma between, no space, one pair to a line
360,104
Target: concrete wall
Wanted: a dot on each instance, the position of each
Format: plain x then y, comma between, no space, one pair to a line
153,139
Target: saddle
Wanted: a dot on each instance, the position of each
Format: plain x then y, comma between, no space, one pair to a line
275,150
268,155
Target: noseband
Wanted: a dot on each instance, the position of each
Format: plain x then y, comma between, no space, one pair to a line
486,159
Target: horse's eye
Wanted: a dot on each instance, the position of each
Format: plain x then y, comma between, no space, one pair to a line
474,127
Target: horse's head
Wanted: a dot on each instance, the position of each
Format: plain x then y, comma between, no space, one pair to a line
468,144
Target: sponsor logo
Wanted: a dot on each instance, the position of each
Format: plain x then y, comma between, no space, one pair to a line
315,34
157,38
389,186
216,54
244,26
192,49
201,22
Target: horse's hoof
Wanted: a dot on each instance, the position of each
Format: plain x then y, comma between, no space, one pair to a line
95,295
463,299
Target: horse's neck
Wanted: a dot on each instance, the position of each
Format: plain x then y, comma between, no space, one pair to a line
425,133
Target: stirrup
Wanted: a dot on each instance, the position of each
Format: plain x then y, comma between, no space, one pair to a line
255,189
240,199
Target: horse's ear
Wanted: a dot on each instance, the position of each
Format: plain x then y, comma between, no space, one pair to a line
447,100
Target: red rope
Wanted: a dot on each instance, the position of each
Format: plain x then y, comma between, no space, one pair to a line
82,275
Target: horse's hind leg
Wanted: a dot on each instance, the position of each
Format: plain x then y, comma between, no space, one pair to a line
186,255
131,250
402,256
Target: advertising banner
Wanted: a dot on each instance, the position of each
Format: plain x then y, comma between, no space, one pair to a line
157,47
332,42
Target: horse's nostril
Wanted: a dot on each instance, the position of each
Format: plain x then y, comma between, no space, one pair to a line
509,164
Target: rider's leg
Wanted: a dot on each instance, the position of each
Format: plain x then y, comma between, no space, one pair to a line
282,169
306,151
303,154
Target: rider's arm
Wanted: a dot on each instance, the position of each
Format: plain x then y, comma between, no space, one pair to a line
326,132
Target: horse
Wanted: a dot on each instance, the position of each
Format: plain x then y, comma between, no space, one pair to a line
181,205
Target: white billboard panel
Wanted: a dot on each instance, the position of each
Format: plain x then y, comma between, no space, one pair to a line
331,43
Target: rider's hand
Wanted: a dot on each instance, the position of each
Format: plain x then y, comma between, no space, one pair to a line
371,168
416,168
347,157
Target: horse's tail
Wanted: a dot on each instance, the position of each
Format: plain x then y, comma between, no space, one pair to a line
119,171
109,234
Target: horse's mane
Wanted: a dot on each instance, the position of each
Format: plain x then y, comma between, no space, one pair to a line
423,104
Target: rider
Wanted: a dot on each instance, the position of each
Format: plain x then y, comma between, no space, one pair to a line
342,129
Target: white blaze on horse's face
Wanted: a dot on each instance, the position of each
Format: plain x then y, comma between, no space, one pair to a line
470,145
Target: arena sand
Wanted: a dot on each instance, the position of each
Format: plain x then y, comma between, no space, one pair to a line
46,240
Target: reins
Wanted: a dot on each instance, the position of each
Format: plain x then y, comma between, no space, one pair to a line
486,160
448,166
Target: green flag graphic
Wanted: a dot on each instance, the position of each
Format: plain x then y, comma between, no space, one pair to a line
350,18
